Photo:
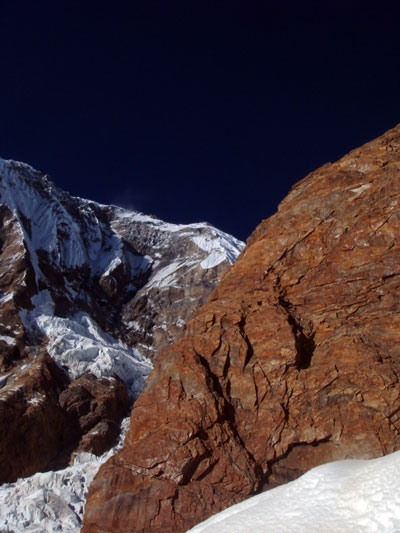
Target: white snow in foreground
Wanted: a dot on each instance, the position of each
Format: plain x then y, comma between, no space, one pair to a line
345,496
51,501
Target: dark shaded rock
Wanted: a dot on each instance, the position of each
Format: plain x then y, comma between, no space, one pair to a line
48,419
33,423
95,406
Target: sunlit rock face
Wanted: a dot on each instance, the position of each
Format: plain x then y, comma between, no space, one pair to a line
89,294
294,360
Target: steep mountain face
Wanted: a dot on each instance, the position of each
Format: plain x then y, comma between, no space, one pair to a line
294,360
87,293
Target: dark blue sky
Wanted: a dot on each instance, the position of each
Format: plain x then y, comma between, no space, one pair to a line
194,110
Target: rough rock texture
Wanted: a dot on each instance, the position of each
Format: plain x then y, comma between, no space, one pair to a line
293,362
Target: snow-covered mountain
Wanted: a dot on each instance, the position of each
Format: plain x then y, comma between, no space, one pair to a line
82,257
89,295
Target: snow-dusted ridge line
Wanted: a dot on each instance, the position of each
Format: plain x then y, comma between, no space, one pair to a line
219,245
70,240
26,201
6,162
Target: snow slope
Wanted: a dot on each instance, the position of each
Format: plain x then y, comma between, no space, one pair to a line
70,232
351,496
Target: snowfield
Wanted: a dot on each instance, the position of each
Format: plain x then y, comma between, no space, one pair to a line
351,496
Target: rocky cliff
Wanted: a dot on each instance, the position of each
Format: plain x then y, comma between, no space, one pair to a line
293,361
86,294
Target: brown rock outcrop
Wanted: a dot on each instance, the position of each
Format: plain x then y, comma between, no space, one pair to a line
95,407
294,361
47,419
31,420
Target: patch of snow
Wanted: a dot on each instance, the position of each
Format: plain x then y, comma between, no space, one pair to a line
352,496
214,259
6,297
167,226
133,325
3,379
37,399
8,340
43,302
114,263
79,344
135,216
139,263
167,276
70,290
